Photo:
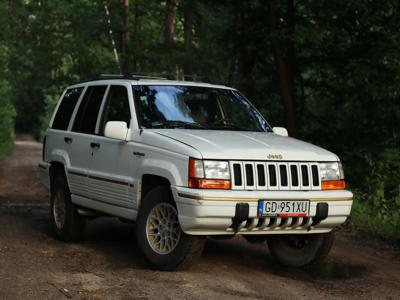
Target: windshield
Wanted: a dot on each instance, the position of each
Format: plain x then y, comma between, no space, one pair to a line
161,106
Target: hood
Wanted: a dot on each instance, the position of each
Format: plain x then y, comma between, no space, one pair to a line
242,145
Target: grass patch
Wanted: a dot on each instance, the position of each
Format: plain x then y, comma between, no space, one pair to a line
5,148
366,218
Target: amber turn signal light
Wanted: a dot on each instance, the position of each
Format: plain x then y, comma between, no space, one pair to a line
200,183
333,185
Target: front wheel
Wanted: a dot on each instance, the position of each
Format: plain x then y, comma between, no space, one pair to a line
301,249
159,235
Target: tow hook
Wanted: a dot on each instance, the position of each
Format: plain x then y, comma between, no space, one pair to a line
241,215
321,214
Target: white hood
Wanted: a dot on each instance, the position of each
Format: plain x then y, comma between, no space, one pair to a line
241,145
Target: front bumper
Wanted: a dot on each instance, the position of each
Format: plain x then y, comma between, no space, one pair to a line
210,212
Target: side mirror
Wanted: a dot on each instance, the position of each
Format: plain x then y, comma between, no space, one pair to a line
116,130
280,131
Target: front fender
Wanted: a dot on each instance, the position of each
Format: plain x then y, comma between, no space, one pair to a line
173,171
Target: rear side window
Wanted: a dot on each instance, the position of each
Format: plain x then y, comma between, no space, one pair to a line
117,107
66,108
88,111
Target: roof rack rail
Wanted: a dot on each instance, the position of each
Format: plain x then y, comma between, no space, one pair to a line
136,76
143,76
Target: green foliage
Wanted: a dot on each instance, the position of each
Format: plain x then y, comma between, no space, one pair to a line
51,97
6,120
7,112
364,217
377,207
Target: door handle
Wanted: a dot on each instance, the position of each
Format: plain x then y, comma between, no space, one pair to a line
68,140
95,145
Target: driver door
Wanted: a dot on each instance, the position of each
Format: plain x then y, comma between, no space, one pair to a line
112,170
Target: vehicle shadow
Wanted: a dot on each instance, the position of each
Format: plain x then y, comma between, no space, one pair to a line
111,243
239,252
107,241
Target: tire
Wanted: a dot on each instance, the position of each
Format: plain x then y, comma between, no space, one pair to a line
164,245
300,250
66,223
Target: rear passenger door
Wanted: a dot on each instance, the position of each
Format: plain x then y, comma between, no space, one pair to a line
78,142
111,175
56,134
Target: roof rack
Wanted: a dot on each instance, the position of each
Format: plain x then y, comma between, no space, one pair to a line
144,76
137,76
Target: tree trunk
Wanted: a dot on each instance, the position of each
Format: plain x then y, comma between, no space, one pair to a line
247,51
292,57
135,36
284,72
169,22
247,62
233,58
188,34
125,37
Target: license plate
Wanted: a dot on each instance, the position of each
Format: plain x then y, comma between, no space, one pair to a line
283,208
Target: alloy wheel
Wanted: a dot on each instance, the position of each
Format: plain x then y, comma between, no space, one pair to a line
163,231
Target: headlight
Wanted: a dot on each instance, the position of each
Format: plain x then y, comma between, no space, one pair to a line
209,174
216,169
331,171
332,176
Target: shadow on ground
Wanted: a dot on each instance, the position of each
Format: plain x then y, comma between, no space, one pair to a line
116,241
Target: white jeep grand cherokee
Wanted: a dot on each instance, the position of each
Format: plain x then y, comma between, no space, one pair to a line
184,161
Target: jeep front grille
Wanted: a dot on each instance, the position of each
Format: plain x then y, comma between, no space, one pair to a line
275,176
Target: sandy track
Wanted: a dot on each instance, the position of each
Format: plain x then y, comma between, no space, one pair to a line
108,264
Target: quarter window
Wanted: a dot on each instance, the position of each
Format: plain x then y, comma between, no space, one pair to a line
66,108
117,107
86,118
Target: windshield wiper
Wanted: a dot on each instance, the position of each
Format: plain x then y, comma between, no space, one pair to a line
177,124
224,124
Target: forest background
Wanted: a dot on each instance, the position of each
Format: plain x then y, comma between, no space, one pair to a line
327,70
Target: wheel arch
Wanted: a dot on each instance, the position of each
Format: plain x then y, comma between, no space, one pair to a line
149,182
55,169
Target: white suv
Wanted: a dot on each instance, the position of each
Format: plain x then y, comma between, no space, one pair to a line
187,160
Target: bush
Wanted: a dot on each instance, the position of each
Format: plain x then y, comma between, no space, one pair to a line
377,208
7,114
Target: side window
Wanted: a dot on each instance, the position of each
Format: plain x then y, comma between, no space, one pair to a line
86,118
66,108
117,107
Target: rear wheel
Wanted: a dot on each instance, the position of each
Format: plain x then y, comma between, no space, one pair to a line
159,235
66,222
300,250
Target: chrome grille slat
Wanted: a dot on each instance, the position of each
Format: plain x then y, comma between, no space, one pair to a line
249,176
259,175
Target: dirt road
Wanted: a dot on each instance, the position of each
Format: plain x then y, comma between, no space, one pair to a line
108,265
